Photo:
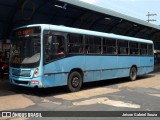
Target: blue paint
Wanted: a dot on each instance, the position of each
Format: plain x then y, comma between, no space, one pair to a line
94,68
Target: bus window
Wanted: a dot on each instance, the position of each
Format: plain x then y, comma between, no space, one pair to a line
134,48
75,43
92,44
122,47
54,47
143,48
109,46
150,49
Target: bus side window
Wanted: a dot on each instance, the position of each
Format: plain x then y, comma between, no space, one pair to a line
143,48
150,49
58,45
109,46
122,47
75,45
54,47
92,45
134,48
87,49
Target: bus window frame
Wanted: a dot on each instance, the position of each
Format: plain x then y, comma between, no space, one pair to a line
69,43
119,41
141,48
87,46
133,47
52,33
109,46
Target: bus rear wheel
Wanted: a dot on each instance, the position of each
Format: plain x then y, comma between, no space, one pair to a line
133,73
74,81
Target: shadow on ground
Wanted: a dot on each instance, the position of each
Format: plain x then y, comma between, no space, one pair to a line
7,89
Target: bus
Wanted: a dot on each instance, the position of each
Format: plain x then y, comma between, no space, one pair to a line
44,55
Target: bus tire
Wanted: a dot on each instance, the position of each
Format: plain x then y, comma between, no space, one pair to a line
133,73
74,81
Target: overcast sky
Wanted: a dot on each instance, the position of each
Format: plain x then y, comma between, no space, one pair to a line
135,8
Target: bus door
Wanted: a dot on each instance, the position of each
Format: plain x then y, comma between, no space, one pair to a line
54,52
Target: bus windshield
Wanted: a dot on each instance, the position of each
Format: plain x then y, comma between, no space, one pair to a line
25,51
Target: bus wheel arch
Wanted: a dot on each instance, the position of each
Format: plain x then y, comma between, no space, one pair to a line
75,80
133,73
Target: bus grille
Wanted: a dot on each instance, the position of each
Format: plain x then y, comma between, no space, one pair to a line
24,73
21,82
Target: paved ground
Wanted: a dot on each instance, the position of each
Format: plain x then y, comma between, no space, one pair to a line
110,95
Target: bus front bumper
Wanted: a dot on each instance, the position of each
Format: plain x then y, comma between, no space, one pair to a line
27,82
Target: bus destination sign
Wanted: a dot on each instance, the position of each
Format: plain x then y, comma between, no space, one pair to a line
26,31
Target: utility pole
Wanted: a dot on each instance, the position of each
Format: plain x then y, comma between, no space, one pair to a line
149,15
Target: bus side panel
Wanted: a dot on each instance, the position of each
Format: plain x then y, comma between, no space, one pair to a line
74,62
108,65
147,65
125,63
56,73
92,68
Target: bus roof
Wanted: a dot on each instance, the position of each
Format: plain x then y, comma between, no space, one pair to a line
87,32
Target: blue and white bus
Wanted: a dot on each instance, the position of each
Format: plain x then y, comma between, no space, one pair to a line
48,55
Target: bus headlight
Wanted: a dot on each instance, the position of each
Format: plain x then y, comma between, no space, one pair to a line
36,71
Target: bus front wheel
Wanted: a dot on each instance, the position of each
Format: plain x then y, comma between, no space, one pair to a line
133,73
74,81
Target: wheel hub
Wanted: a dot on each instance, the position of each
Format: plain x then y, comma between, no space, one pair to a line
75,82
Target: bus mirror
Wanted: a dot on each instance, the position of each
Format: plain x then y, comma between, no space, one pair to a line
50,40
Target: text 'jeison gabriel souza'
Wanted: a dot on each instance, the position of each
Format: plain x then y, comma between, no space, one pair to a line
139,115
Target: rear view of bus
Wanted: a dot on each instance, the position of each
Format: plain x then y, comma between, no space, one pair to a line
25,56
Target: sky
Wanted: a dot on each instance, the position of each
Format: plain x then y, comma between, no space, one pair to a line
134,8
